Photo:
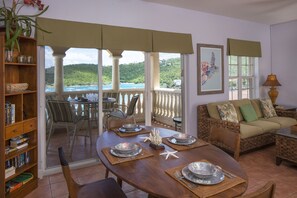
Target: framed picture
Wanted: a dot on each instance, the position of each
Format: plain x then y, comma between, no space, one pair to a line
210,69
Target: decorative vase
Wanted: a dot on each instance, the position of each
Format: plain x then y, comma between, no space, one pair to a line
9,56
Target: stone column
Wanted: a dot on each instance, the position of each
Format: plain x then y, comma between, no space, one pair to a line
116,55
59,54
156,70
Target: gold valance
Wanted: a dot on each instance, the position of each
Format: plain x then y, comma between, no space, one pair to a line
123,38
243,48
88,35
69,34
172,42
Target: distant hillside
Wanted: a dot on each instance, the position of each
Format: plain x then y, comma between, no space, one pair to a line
86,74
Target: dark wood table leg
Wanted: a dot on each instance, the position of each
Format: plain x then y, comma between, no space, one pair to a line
278,161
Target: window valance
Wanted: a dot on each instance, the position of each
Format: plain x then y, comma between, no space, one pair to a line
69,34
88,35
243,48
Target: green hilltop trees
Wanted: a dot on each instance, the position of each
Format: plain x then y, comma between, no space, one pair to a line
86,74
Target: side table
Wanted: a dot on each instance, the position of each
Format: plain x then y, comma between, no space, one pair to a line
285,107
286,144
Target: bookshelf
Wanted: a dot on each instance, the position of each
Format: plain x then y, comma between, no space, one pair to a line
18,121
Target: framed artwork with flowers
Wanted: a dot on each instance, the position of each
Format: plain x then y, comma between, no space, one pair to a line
210,61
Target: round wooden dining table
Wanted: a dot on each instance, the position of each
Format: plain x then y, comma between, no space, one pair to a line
148,174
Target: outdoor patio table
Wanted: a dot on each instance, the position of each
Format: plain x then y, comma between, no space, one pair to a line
148,174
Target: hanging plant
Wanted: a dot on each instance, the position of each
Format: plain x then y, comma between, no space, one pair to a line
16,24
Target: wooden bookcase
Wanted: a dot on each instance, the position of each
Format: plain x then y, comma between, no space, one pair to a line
25,115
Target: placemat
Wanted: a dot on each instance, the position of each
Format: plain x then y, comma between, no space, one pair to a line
129,134
198,143
116,160
204,191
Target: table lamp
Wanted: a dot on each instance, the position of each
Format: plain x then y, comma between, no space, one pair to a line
273,82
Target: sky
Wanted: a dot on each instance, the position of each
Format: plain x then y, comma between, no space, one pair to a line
89,56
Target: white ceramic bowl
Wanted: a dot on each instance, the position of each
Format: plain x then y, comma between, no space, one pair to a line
182,137
129,126
202,169
126,147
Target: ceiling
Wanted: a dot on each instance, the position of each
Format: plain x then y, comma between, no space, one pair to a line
260,11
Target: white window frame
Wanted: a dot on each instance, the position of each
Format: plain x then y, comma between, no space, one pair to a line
254,88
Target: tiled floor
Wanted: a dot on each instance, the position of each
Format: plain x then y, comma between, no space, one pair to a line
259,165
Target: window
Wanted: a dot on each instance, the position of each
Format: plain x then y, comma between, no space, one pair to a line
242,77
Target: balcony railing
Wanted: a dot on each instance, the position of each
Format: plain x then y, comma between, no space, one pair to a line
166,102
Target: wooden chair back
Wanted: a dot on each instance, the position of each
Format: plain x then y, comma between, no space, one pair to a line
73,187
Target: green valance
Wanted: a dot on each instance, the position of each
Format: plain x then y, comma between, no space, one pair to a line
88,35
123,38
172,42
69,34
243,48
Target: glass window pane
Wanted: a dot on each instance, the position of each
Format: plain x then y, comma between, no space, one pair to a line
233,89
233,60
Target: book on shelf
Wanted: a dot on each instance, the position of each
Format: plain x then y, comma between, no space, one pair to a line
21,146
23,178
9,171
12,185
14,142
9,113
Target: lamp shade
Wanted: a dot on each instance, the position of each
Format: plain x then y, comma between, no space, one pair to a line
271,81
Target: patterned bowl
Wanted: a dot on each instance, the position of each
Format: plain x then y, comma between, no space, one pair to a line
129,126
16,87
126,147
182,137
202,169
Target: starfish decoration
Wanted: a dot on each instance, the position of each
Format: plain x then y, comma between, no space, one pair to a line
169,153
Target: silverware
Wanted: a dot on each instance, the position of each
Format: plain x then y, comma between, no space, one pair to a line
181,178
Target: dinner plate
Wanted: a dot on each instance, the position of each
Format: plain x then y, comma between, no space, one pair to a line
191,140
123,130
115,152
216,178
126,147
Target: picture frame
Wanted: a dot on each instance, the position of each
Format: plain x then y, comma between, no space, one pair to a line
210,67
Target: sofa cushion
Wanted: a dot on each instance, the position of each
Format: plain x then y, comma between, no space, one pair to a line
213,110
247,131
248,112
283,121
237,104
264,124
257,106
267,108
227,112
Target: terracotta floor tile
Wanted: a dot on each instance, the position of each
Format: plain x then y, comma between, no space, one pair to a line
44,181
56,178
59,189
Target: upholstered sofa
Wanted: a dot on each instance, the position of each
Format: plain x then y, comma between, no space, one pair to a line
253,134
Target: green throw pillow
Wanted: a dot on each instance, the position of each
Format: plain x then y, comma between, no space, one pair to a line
248,112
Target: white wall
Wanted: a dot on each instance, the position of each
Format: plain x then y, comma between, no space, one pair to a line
205,28
284,60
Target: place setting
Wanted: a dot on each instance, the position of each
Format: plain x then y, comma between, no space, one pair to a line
182,141
128,130
124,152
203,178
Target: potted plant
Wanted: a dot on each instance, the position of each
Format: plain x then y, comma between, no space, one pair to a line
17,25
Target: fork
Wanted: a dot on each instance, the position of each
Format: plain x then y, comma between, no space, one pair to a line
181,178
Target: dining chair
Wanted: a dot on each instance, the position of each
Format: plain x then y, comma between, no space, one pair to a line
63,115
105,188
119,113
114,123
266,191
225,139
